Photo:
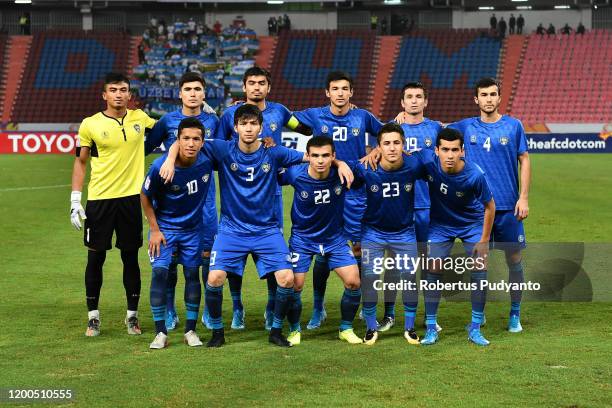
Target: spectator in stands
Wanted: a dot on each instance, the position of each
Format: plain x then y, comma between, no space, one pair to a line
493,22
520,23
280,24
540,29
580,29
374,21
217,27
271,26
551,30
141,52
383,26
286,22
511,24
567,30
24,24
501,28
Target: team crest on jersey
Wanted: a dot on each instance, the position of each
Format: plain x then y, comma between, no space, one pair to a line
174,187
473,139
105,134
408,187
265,167
205,178
324,129
137,128
273,126
504,140
207,132
374,188
234,166
355,131
428,141
430,177
304,194
459,194
338,189
521,238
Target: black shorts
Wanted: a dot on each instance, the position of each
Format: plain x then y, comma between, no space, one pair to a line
121,215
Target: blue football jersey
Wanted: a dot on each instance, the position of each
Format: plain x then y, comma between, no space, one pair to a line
457,200
348,132
275,116
178,205
318,205
165,130
248,184
390,196
495,147
421,136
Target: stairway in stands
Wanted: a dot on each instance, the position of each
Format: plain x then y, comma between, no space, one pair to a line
12,64
388,50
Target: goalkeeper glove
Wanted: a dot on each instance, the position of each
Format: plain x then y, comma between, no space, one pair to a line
76,209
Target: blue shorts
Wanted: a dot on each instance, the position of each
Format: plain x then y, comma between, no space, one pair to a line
508,233
421,224
354,209
269,251
441,239
185,246
337,253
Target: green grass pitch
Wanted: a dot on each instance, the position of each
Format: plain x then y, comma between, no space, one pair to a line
562,358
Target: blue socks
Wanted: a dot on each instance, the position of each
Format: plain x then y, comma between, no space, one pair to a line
369,315
193,295
432,301
479,298
214,301
320,274
516,275
281,306
348,307
235,285
271,282
157,297
295,312
171,286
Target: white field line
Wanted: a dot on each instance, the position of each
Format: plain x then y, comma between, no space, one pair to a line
2,190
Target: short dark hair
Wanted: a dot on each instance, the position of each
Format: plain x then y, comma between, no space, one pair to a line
390,127
450,135
485,83
320,141
257,71
191,77
115,78
338,76
414,85
246,111
189,123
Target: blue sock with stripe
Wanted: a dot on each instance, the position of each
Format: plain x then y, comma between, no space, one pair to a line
369,315
193,296
235,285
282,302
171,286
320,274
479,298
214,302
432,300
516,275
349,304
157,297
295,311
272,285
410,298
205,269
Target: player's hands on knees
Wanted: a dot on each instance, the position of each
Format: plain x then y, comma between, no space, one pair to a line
345,174
155,241
268,142
77,213
401,118
521,209
166,171
371,159
481,250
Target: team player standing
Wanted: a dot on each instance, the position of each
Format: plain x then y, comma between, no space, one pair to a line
494,144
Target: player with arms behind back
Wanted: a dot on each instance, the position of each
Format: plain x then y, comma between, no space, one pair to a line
497,143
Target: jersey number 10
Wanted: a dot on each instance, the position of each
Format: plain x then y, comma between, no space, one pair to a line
192,187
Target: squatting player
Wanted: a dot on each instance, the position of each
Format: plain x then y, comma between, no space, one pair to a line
462,207
347,128
497,143
317,229
192,90
388,225
174,212
256,84
114,141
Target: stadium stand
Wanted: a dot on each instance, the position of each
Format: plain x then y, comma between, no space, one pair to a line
171,50
303,58
64,69
448,62
566,79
